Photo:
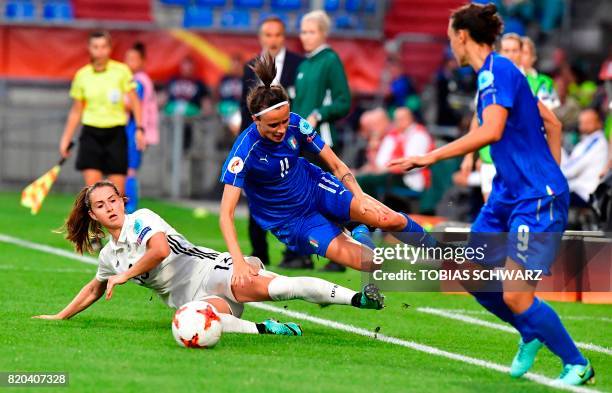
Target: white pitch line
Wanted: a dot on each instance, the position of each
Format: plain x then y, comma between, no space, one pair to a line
336,325
416,346
43,269
498,326
48,249
483,312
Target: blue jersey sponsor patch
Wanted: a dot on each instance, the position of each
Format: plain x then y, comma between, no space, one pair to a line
144,232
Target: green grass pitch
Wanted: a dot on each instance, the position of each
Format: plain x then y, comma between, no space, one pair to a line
126,344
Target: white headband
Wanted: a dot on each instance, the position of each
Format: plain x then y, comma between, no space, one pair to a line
271,108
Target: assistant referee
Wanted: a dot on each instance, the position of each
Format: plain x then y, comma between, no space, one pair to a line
98,91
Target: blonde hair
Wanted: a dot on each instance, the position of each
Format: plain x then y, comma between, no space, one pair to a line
529,42
321,18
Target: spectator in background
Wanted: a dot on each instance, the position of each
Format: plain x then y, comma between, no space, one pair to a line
322,94
406,138
568,109
454,92
542,86
605,74
135,60
98,90
187,95
272,40
587,160
373,125
511,46
229,94
401,90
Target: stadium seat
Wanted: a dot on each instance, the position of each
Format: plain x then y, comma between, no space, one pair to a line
331,5
248,4
370,6
286,4
353,6
58,10
237,19
176,2
211,3
19,10
281,16
196,16
347,22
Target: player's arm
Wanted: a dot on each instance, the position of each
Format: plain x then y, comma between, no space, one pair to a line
157,250
491,131
88,295
553,128
134,104
72,122
229,201
342,172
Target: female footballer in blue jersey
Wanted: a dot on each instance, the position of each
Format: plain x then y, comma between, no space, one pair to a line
530,195
301,204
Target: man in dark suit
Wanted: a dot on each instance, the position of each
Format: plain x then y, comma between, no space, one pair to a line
272,41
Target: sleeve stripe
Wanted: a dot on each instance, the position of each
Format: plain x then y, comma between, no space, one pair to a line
246,158
237,148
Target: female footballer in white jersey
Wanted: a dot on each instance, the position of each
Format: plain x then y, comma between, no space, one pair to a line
145,249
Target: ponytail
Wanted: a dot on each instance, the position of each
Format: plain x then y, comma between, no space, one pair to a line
265,95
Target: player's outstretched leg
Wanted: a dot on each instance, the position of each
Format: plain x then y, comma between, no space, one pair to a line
271,286
232,324
405,229
316,290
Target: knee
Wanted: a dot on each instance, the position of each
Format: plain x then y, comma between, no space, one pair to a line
517,302
394,222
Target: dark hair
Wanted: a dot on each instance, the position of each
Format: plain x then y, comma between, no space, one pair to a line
266,95
272,18
100,34
482,22
140,48
80,229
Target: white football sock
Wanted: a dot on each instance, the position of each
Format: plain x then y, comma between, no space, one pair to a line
311,289
231,324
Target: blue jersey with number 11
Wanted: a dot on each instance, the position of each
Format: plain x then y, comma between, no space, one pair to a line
278,183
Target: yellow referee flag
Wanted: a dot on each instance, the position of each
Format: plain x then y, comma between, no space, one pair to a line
34,194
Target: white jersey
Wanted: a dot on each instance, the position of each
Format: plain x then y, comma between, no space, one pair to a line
179,277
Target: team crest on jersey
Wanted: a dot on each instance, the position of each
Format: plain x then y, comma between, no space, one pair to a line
293,142
137,226
235,165
485,79
305,127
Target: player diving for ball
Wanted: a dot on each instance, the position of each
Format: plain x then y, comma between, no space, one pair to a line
144,249
302,205
530,196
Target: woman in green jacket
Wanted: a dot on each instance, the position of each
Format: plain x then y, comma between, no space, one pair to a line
322,94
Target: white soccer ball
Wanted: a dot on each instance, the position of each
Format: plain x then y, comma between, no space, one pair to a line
197,325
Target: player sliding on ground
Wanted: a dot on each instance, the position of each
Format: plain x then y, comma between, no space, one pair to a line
304,206
530,194
143,248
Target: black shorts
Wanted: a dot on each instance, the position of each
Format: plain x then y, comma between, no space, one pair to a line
104,149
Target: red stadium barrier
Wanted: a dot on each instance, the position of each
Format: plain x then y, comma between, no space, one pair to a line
56,53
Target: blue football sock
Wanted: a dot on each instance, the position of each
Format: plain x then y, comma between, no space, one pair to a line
361,233
545,322
494,303
414,234
131,192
